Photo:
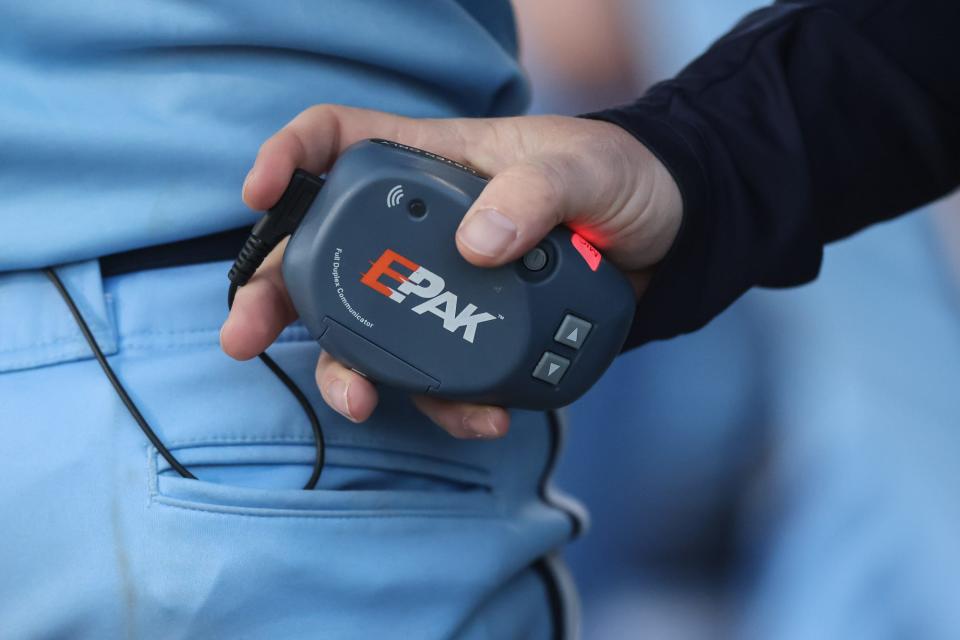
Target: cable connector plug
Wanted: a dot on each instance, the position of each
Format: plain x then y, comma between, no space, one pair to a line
280,221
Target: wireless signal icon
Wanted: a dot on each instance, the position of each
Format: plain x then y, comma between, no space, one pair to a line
394,196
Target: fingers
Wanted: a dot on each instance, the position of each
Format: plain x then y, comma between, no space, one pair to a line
314,139
566,170
515,211
354,397
537,183
464,420
260,311
346,391
548,170
310,141
592,176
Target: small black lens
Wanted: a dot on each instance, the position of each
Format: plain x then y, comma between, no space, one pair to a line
417,208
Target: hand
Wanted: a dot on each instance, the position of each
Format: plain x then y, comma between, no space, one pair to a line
547,170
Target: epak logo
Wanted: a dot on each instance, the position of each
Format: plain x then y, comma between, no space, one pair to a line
425,284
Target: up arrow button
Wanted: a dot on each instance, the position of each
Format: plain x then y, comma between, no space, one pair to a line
573,331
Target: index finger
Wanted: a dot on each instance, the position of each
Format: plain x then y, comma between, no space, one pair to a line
314,139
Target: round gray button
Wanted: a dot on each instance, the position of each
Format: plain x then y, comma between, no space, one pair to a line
536,259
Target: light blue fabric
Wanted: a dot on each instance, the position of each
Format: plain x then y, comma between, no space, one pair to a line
125,125
133,124
411,534
852,529
36,332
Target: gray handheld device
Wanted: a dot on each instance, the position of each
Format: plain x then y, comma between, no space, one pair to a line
374,272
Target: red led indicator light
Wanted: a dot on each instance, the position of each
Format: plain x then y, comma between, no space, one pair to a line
587,250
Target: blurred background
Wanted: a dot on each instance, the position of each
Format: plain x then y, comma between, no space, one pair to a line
791,471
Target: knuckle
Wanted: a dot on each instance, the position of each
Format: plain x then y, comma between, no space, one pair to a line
543,184
322,112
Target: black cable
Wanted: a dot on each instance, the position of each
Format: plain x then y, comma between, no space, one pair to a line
280,221
320,444
142,422
112,377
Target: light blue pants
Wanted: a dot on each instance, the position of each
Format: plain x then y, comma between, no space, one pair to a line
412,534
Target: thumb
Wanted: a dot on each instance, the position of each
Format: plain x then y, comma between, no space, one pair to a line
520,206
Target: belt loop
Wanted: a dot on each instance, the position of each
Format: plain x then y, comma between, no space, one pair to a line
36,328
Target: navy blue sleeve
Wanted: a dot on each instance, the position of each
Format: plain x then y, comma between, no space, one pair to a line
809,121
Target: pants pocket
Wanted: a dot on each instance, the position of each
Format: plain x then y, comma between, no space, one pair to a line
256,478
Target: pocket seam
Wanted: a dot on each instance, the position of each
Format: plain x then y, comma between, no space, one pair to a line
307,440
319,514
332,513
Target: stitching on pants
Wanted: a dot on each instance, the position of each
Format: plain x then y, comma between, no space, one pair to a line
371,445
79,352
155,497
319,514
48,343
